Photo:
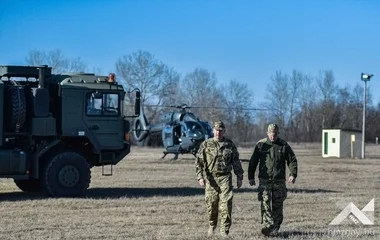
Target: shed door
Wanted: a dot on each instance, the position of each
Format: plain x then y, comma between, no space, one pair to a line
326,141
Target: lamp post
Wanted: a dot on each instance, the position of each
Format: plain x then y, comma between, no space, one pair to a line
364,77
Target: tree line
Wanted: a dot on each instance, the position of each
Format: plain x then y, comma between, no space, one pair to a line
301,104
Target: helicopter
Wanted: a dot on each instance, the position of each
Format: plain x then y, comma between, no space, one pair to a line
181,131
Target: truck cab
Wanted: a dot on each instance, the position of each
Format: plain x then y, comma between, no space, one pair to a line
55,127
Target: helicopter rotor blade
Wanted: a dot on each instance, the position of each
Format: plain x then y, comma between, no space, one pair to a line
237,108
184,106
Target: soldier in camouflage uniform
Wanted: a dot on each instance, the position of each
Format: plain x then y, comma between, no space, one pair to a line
271,154
217,157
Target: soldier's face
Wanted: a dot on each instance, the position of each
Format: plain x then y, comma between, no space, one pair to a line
218,134
272,136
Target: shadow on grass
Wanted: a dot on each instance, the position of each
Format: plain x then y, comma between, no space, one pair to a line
305,190
143,192
100,193
21,196
172,191
341,234
290,190
295,233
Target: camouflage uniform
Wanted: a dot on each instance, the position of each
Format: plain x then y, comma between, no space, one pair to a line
272,192
217,159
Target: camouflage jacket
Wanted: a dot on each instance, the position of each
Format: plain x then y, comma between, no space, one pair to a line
218,158
272,158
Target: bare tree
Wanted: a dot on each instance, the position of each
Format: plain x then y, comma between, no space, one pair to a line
326,85
306,118
57,60
327,92
372,123
199,84
98,70
344,108
295,84
200,90
155,79
278,98
172,92
259,127
238,98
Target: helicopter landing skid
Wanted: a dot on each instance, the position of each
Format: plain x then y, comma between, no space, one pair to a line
166,153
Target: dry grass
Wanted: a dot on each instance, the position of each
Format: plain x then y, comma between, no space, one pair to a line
150,198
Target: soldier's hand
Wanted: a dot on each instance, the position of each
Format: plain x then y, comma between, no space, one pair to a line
292,179
252,182
202,182
239,183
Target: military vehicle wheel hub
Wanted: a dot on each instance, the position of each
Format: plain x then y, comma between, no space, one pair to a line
68,176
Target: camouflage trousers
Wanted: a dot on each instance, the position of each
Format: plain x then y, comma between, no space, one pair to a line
272,195
219,195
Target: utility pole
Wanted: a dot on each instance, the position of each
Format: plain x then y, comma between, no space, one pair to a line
364,77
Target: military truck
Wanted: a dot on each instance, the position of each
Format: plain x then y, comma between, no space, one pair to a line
55,127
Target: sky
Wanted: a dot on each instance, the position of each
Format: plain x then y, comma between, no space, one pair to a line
244,40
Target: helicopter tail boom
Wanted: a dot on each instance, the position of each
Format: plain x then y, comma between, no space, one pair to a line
156,128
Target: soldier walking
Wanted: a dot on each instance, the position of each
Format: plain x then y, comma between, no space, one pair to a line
271,154
217,157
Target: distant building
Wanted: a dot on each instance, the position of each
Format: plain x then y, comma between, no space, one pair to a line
341,143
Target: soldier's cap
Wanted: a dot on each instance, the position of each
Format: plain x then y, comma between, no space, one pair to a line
273,128
219,125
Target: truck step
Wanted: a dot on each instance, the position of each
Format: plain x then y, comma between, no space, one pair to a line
105,172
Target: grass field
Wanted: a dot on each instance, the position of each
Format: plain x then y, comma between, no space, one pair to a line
151,198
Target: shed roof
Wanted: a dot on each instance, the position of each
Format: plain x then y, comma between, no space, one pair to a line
344,129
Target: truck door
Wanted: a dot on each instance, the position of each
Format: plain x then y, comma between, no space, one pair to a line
104,118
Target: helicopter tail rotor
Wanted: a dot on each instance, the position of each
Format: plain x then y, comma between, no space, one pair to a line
141,127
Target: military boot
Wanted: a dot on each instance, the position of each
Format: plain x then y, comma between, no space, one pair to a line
265,231
224,234
274,231
211,231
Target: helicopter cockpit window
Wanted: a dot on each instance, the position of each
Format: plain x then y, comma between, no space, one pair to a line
183,131
100,104
194,129
208,128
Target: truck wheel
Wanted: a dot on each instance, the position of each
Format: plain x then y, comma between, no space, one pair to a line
32,185
67,175
15,108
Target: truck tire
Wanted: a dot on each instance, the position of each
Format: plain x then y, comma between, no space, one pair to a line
66,175
32,185
15,109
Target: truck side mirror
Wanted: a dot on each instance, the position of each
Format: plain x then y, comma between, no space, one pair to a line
137,103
